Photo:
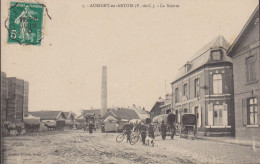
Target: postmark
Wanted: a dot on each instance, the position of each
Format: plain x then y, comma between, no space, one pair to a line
25,23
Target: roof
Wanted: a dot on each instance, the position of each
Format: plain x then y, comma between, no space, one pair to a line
110,118
252,17
202,57
97,112
68,114
157,105
122,113
141,112
47,115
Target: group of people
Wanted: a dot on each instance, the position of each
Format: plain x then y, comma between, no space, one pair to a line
147,131
142,128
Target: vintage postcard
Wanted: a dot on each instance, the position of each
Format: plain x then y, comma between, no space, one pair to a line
130,81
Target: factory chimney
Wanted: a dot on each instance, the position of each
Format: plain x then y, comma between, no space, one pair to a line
104,91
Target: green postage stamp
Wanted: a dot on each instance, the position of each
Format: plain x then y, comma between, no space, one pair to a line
25,23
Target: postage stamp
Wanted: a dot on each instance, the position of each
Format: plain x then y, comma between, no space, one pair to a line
25,23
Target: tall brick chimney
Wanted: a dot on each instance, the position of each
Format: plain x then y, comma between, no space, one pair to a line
104,91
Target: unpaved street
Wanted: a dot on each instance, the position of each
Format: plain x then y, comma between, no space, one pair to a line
77,146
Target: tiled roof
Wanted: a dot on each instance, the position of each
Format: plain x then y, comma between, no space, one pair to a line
203,55
250,22
46,115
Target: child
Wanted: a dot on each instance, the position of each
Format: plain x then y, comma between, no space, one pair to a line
151,134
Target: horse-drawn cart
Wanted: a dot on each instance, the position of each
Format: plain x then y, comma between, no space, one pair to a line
170,122
31,124
188,126
60,124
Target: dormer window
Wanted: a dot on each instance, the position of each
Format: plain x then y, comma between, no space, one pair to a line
187,67
216,55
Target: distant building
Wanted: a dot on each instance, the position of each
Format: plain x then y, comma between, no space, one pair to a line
204,86
121,114
69,118
246,65
142,114
156,109
166,108
49,115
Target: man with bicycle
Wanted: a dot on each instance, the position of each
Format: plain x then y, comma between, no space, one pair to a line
127,128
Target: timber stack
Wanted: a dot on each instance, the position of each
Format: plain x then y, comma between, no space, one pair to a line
14,98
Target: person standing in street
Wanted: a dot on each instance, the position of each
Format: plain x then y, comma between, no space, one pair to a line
127,128
102,127
151,133
172,129
163,130
90,127
143,131
136,128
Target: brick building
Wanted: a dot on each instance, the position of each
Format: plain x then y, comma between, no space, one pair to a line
204,86
246,69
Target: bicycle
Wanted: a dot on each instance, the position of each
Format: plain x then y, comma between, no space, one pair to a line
121,137
134,138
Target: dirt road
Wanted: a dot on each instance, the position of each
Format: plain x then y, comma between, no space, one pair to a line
76,146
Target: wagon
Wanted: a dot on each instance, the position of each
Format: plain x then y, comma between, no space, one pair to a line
170,122
60,124
188,126
31,124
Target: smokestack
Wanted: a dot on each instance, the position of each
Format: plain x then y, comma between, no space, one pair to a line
104,91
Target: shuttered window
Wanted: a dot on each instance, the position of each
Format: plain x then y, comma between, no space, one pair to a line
185,90
217,83
210,114
218,115
252,111
196,88
250,69
176,95
244,111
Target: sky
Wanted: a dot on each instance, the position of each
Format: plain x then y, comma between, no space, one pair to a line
142,49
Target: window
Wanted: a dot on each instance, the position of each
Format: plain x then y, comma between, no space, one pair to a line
252,111
176,95
218,115
185,110
250,69
217,83
196,88
216,55
196,111
185,90
187,67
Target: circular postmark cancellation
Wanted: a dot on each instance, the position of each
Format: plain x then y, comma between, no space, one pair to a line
25,23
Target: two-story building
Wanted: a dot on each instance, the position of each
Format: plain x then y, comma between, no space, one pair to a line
204,86
246,69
